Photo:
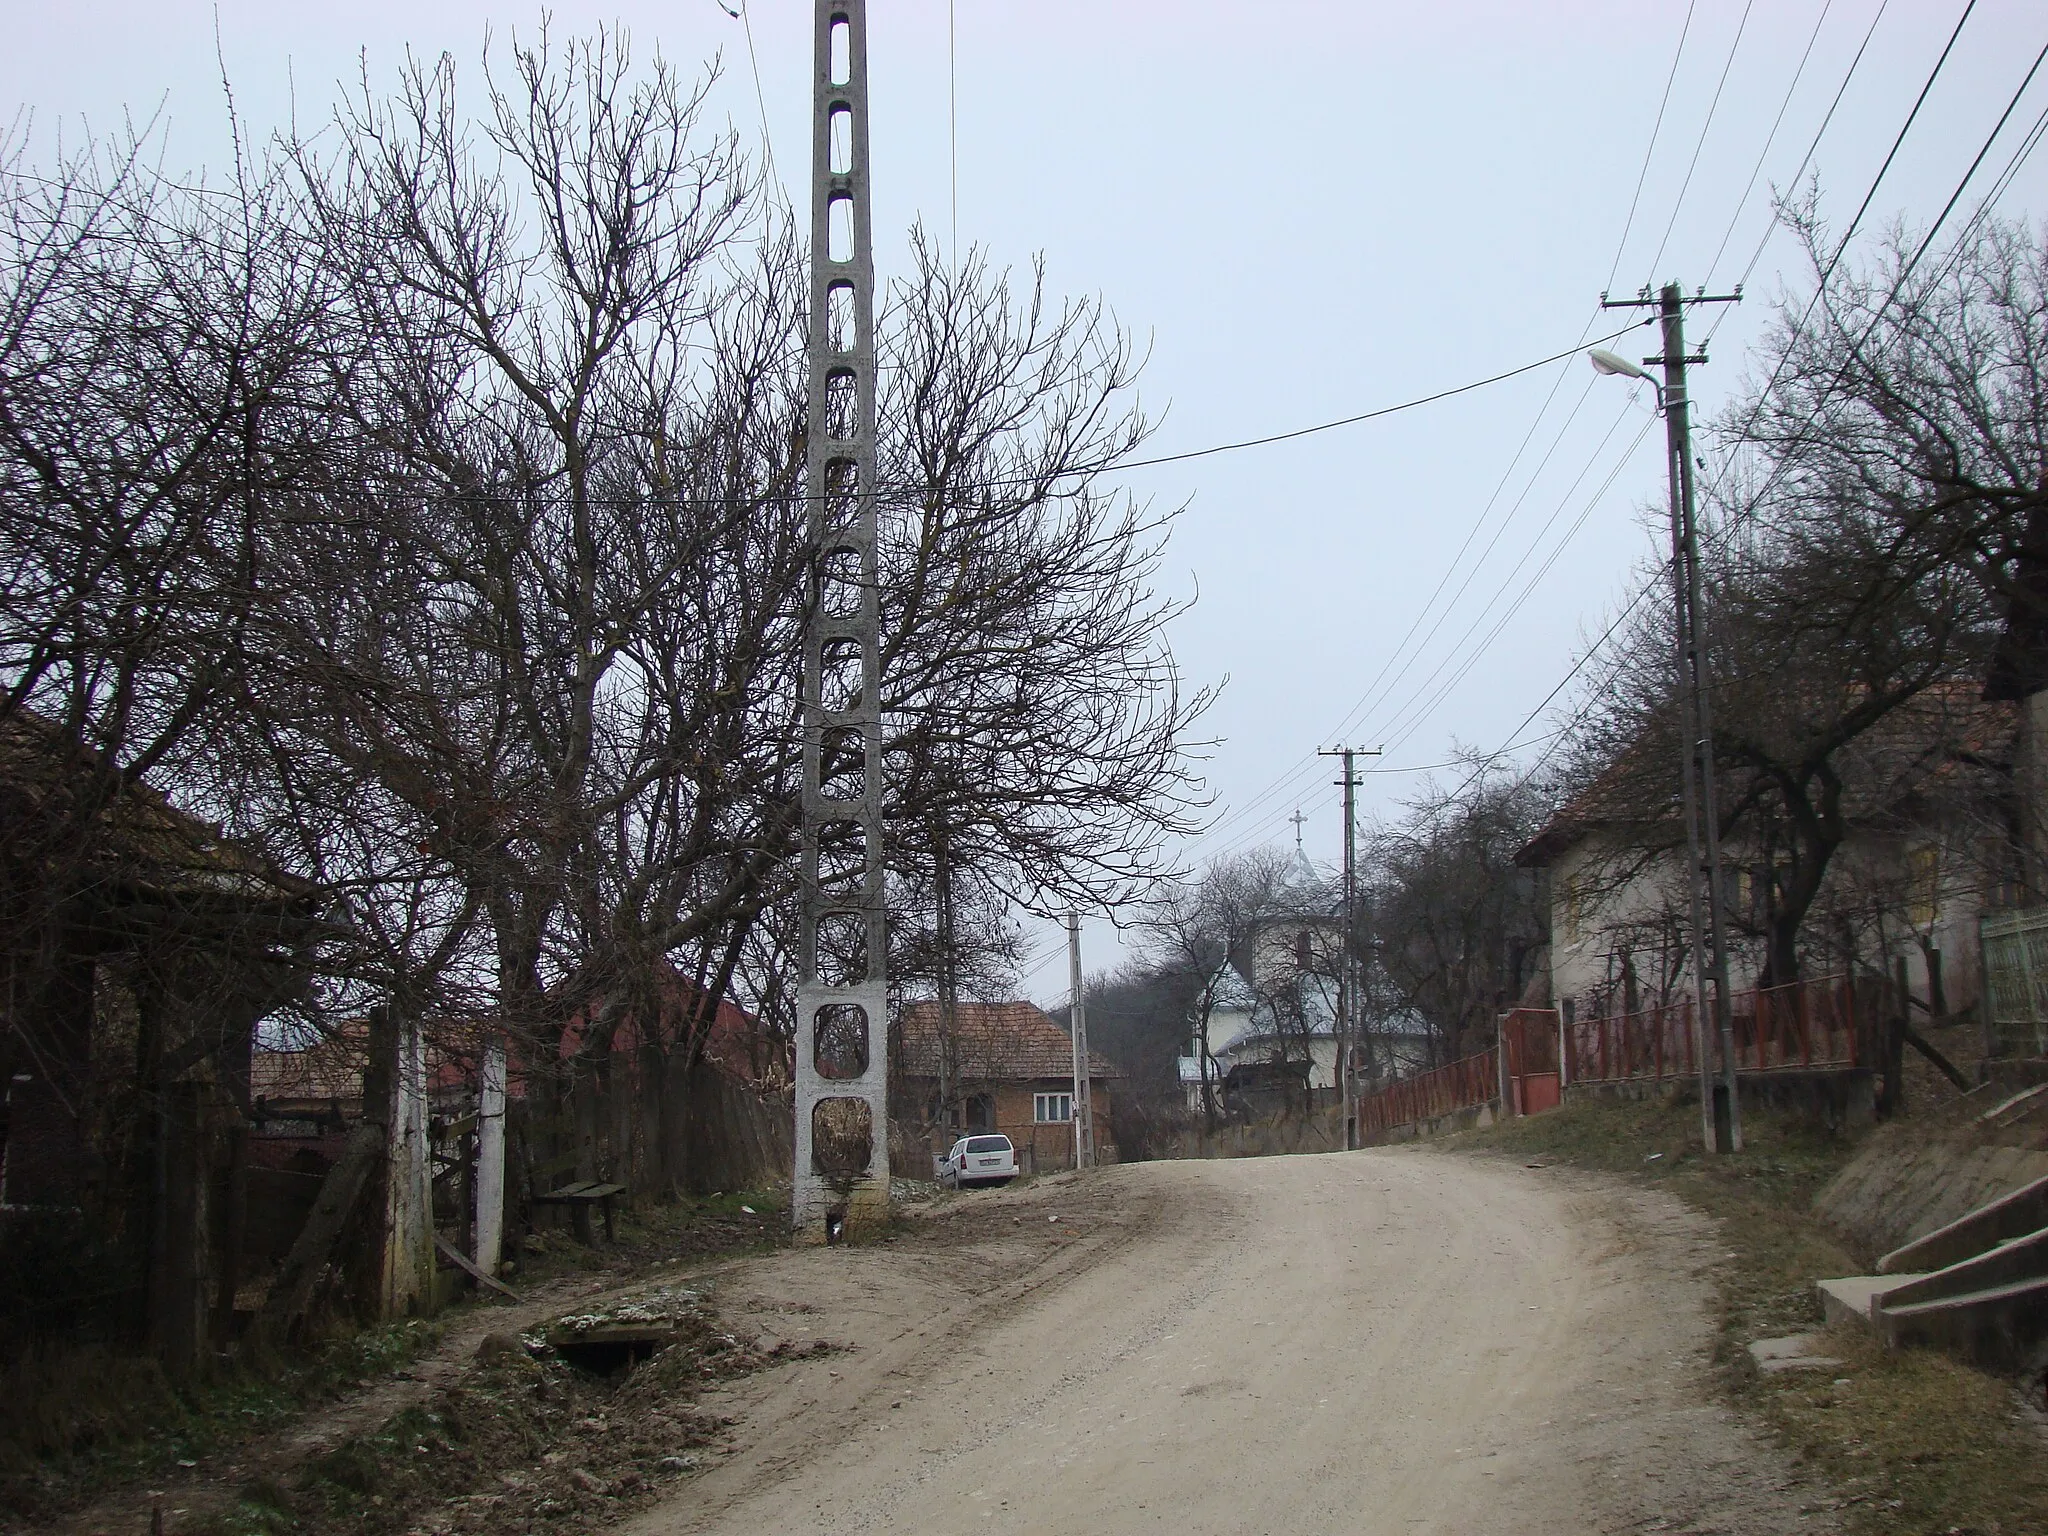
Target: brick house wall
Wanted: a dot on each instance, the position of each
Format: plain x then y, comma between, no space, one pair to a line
1050,1147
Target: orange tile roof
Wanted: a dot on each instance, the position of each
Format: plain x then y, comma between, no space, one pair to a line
997,1042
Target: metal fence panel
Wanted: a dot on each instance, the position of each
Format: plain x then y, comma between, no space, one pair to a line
2015,944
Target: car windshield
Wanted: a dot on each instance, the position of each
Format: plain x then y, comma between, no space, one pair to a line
988,1143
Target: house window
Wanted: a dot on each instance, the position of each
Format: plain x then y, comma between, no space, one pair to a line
1923,874
1052,1108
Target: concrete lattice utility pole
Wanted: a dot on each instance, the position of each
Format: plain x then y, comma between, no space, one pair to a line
1077,1021
1349,972
1720,1108
948,976
842,1025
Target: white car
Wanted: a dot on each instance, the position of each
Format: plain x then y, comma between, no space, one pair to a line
979,1160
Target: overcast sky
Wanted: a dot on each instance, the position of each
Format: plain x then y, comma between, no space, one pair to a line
1309,210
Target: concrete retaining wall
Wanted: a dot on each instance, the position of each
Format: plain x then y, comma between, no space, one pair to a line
1278,1137
1915,1176
1896,1192
1838,1100
1442,1125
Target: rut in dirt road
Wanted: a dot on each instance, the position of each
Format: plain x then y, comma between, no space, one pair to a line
1395,1342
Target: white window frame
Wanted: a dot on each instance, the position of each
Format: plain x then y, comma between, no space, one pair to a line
1041,1101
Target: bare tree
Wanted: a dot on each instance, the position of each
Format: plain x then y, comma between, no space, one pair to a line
1455,920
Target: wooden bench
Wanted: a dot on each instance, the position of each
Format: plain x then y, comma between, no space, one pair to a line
580,1198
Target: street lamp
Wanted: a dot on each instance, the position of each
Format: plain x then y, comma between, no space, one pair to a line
1607,362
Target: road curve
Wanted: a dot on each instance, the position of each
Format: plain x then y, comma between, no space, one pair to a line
1384,1341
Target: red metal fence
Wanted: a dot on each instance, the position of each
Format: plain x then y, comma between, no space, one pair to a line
1803,1024
1461,1085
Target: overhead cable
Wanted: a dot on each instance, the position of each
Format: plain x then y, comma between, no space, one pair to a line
1701,143
1650,149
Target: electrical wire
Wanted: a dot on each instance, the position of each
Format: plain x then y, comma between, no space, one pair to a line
1374,415
1701,143
1257,830
1956,196
1821,287
1771,138
1892,154
1818,134
1848,235
1643,591
1408,728
1727,531
1527,554
1375,691
1650,149
953,124
1291,777
746,22
1235,822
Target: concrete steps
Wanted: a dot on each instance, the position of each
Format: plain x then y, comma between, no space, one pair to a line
1994,1326
2016,1215
1977,1287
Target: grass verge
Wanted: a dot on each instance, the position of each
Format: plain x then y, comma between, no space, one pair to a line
1912,1441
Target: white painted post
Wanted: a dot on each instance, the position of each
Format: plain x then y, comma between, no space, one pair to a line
490,1157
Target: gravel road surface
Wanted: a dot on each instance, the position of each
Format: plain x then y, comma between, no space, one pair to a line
1385,1341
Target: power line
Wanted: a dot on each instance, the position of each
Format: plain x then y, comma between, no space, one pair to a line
1258,829
1374,415
1528,589
1813,147
1648,586
746,20
1290,778
1848,234
1904,129
1527,554
1374,693
1956,196
1828,272
953,125
1650,149
1173,458
1770,139
1712,107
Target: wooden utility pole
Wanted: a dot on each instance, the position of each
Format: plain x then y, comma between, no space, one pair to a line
1349,969
1720,1110
1077,1019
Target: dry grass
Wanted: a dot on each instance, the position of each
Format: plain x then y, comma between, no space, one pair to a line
516,1443
79,1419
1912,1441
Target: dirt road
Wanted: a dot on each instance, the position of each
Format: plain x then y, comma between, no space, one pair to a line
1390,1341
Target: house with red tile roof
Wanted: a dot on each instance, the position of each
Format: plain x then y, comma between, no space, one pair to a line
1009,1069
